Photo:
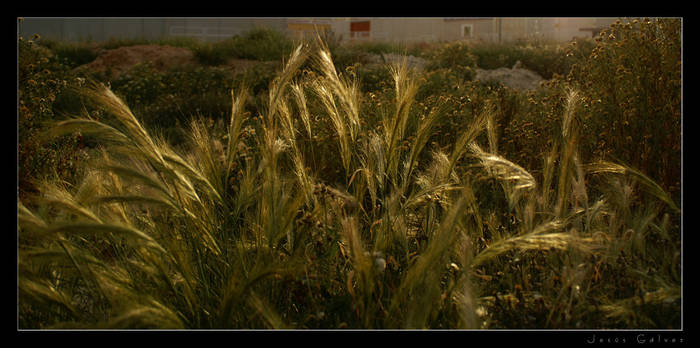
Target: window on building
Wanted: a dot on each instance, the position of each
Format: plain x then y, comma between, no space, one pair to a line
467,30
359,29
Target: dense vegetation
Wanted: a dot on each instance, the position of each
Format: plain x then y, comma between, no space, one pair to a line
326,192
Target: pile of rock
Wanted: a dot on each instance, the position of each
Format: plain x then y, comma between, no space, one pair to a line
515,77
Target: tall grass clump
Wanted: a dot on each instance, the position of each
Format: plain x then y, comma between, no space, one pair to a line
249,228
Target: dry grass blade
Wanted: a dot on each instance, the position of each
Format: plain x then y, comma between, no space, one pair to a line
405,87
281,81
373,161
421,138
27,219
109,102
568,156
344,89
289,132
490,112
99,130
422,279
131,173
203,166
130,199
96,228
466,138
337,119
183,174
433,193
234,129
628,309
274,321
504,170
204,149
58,196
514,179
151,314
43,291
534,241
352,238
300,98
547,178
649,184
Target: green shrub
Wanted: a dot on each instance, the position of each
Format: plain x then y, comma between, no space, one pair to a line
263,44
42,79
455,56
72,54
631,84
547,60
307,200
178,41
170,99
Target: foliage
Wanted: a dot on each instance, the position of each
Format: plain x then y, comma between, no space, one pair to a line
262,44
315,196
177,41
42,79
631,84
169,99
71,54
457,57
547,60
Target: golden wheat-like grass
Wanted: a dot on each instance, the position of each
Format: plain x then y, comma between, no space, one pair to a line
647,183
165,238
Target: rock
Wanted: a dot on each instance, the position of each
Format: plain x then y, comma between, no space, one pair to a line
515,78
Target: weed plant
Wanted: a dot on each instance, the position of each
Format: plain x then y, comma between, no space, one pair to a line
321,205
261,44
546,59
72,54
41,80
170,98
632,83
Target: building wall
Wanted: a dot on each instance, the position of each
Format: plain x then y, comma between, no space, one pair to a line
397,29
102,29
483,29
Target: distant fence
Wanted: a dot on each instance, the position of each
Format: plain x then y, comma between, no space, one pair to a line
102,29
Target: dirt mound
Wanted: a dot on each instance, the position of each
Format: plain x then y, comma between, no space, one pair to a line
516,77
122,59
119,61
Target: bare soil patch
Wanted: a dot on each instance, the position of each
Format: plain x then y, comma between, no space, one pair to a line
118,61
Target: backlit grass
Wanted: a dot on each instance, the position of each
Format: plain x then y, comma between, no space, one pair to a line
330,208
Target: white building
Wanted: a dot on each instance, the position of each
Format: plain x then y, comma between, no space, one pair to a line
401,29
